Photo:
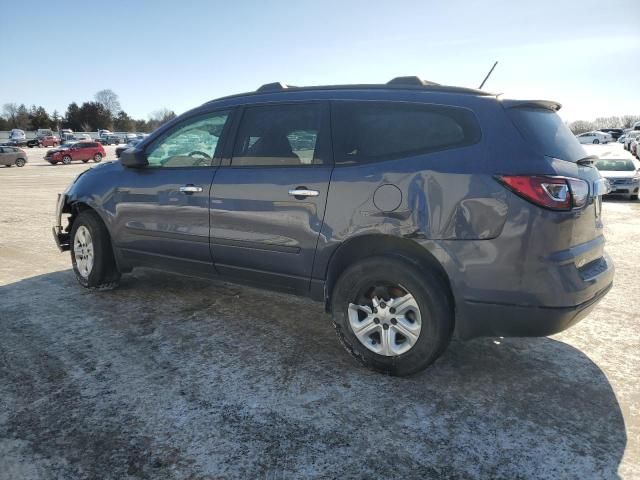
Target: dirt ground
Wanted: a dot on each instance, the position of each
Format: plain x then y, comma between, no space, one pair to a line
173,377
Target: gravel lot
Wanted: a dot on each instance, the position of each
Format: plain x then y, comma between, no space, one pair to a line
172,377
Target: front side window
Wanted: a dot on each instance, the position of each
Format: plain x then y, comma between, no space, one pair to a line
281,135
374,131
193,143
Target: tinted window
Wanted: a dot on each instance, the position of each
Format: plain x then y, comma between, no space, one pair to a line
547,133
193,143
373,131
281,135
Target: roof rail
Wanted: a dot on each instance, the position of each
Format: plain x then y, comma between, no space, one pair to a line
267,87
410,80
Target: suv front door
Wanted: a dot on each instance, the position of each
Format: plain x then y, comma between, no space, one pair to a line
268,199
162,211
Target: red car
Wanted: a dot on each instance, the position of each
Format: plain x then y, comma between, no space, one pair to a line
83,151
49,141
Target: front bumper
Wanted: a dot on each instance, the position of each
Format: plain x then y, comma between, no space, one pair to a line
61,237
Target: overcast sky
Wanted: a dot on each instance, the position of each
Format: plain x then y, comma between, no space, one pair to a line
584,54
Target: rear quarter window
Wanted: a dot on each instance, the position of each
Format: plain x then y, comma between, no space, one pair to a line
547,134
375,131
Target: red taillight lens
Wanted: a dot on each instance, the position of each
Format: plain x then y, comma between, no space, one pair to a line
555,193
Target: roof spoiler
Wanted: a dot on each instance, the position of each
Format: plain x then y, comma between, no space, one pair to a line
548,104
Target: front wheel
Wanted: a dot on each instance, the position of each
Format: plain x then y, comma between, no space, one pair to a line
66,159
20,162
92,254
392,316
633,197
97,158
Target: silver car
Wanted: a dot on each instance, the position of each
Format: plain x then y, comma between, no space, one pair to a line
631,136
623,175
10,156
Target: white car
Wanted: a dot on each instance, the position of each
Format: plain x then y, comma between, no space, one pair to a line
622,173
631,136
594,137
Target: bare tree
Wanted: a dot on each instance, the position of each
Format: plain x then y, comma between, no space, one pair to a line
581,126
109,100
10,112
159,117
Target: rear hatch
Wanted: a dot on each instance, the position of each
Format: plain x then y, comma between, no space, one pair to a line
555,148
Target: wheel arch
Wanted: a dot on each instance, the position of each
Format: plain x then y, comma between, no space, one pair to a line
75,207
370,245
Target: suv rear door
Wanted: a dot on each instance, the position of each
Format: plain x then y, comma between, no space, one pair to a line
268,199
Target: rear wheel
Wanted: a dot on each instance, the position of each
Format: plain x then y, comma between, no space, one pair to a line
66,159
97,158
634,197
391,316
20,162
92,254
596,141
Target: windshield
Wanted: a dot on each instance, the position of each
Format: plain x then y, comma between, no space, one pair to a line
615,165
547,133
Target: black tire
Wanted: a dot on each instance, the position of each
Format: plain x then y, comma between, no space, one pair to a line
104,274
66,159
596,141
20,162
97,158
431,295
634,197
85,161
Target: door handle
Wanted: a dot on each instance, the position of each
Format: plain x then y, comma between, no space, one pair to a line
189,189
301,192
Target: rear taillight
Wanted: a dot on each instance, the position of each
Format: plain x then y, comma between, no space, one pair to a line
555,193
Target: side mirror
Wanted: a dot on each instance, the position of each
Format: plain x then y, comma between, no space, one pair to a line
133,158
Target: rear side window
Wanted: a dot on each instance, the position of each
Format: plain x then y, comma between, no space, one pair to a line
282,135
373,131
547,133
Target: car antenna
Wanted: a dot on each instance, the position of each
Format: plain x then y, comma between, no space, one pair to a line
485,78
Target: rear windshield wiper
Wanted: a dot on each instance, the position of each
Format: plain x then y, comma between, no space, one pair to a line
587,161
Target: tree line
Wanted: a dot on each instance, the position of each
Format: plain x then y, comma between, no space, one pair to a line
582,126
103,112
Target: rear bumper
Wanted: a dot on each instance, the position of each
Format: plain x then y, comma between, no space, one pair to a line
503,320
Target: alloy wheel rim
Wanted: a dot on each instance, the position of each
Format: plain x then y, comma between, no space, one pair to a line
386,320
83,251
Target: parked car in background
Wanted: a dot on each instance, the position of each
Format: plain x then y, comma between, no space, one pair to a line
44,132
83,151
82,137
399,219
110,139
17,135
48,141
130,144
594,137
10,155
622,173
622,138
632,135
615,133
634,147
66,135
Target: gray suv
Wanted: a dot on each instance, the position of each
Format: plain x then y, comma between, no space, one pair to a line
414,211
